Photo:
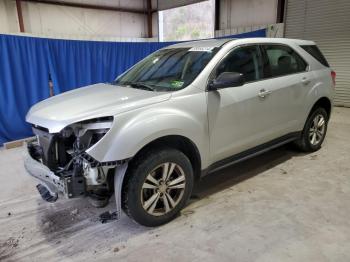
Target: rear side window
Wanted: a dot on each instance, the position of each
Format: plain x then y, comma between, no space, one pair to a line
282,60
316,53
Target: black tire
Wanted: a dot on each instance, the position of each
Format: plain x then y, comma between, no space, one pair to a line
304,142
133,191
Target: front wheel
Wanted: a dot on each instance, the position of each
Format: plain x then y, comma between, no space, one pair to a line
158,186
314,131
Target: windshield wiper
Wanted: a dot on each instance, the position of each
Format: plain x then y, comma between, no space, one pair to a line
139,85
142,86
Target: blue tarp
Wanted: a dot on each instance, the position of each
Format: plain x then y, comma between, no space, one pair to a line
24,76
89,62
27,62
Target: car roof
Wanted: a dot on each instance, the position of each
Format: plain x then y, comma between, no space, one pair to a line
210,43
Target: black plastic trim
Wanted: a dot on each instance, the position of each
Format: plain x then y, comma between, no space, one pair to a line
94,163
250,153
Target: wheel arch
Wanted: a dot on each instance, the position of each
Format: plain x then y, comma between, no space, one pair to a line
181,143
323,102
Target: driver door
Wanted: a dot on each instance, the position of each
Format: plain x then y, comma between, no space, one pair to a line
236,114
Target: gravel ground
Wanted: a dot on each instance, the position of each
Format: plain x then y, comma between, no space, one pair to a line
280,206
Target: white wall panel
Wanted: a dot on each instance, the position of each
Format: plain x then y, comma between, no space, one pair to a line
8,16
137,4
45,19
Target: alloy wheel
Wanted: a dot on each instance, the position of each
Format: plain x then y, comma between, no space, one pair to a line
163,189
317,129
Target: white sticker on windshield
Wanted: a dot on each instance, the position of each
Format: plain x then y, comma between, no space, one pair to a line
201,49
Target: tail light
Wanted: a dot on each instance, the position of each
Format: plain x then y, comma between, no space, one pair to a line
333,74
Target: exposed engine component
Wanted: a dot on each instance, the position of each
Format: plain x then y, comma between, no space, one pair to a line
64,154
95,175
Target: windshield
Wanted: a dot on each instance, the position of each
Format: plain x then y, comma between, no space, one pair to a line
167,69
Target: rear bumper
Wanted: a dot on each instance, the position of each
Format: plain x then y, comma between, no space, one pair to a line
43,174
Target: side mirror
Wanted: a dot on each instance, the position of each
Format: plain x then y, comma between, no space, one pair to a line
227,79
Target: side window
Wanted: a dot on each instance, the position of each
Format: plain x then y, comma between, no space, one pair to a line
245,60
316,53
282,60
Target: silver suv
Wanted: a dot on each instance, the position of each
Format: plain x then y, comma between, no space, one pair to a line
182,112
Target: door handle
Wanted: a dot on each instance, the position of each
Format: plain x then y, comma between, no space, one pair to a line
305,80
264,93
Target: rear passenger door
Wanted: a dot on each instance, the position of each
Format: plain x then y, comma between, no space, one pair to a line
285,81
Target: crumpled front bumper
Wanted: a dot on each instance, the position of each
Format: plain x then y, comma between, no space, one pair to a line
44,175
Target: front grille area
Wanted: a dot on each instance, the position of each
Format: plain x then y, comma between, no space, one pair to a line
59,152
55,149
64,155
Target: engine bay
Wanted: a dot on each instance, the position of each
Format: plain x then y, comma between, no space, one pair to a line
64,154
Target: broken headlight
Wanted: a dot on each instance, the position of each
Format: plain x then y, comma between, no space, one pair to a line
87,133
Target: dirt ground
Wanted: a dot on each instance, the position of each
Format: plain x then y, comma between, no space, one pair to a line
280,206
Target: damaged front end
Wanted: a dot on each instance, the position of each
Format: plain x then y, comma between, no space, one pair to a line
60,163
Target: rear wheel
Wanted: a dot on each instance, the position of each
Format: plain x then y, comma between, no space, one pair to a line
158,187
314,131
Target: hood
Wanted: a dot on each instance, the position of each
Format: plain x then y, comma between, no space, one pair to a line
93,101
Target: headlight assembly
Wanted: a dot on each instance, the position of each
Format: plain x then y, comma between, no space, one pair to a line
87,133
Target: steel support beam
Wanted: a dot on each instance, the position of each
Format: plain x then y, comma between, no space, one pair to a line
217,15
20,15
149,18
91,6
280,11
